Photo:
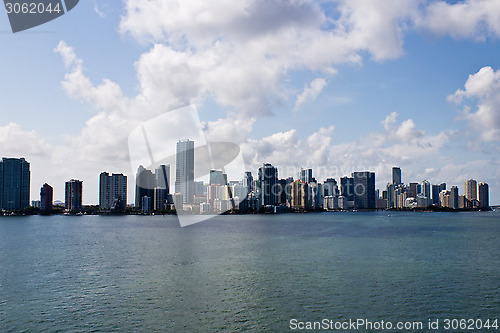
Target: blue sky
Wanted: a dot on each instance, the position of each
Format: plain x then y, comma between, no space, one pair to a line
335,85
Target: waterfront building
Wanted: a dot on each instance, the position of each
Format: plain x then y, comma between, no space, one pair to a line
425,189
184,170
144,185
299,195
444,198
396,176
364,190
269,185
14,183
470,189
112,191
347,188
178,202
454,197
217,177
46,197
413,190
484,197
73,195
305,175
330,187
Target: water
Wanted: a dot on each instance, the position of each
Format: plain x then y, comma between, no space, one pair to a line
245,273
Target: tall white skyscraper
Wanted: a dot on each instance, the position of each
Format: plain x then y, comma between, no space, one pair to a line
184,170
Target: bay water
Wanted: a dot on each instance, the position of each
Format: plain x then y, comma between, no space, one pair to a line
246,272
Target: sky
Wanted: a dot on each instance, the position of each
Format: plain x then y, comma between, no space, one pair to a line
337,86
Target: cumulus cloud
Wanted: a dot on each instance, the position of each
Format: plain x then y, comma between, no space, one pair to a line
482,89
14,139
241,55
310,93
471,19
398,143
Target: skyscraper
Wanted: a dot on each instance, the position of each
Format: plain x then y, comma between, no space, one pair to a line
396,175
217,177
347,188
306,175
46,197
14,183
330,187
162,186
73,195
425,189
269,185
364,190
471,189
112,191
412,190
299,196
144,186
484,197
184,170
248,181
454,197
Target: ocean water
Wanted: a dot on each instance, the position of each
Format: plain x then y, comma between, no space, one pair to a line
246,273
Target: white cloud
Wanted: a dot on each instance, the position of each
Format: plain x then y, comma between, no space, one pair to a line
471,19
13,140
390,120
483,88
310,93
401,143
240,54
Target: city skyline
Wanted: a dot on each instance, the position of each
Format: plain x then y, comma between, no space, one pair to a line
152,190
296,84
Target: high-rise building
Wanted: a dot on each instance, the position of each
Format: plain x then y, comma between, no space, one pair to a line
299,195
316,194
162,186
364,190
330,187
73,195
112,191
347,188
144,185
306,175
184,170
454,197
425,189
248,181
284,190
484,196
391,197
396,175
436,190
217,177
470,189
269,185
413,190
14,183
46,197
